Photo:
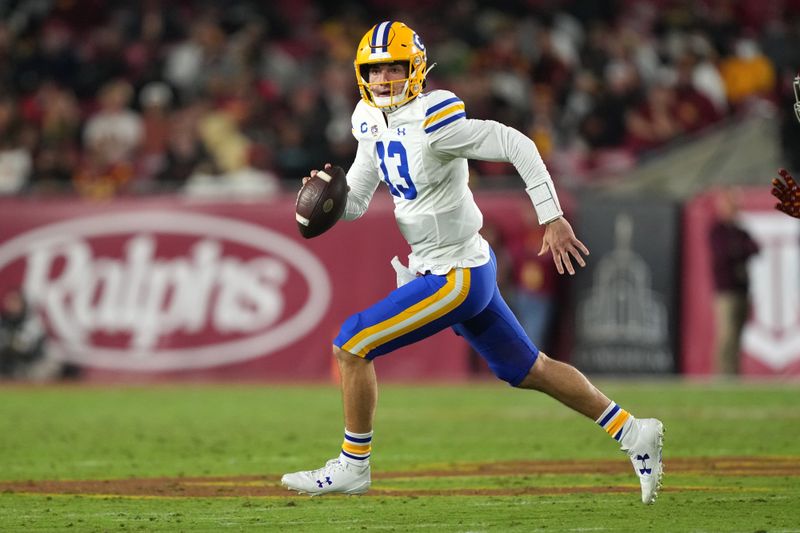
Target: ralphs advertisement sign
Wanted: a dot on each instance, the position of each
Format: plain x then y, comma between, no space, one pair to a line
164,289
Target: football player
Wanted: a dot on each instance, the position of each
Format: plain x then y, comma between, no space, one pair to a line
418,144
786,189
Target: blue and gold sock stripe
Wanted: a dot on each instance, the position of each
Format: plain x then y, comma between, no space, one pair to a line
358,448
443,301
356,452
357,440
613,421
443,113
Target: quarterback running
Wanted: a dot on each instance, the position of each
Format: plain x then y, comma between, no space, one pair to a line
418,144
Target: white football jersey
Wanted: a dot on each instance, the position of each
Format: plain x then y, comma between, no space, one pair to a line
420,152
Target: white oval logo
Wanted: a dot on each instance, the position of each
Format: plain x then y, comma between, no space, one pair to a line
238,303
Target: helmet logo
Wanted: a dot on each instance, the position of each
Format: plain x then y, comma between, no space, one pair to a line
418,42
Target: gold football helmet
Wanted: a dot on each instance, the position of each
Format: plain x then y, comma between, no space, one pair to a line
391,42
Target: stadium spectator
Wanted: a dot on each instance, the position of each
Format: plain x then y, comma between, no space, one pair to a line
220,131
22,339
301,135
603,127
705,75
535,284
747,73
655,121
55,111
155,100
731,248
695,110
112,138
184,153
196,64
15,158
498,240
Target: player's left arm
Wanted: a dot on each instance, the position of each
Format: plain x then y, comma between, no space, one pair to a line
488,140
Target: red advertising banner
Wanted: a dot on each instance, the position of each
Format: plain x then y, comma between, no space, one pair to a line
771,336
166,288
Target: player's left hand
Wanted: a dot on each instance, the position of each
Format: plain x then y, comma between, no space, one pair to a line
788,193
564,245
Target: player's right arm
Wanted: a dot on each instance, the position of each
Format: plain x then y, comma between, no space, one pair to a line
362,177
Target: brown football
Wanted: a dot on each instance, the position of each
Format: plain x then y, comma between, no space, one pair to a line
321,202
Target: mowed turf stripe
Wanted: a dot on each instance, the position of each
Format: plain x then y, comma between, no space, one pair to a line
504,471
281,492
724,466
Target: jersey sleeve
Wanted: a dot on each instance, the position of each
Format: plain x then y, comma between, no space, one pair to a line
366,122
442,109
487,140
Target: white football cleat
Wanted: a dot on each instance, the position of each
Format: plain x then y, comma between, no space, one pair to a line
645,455
336,476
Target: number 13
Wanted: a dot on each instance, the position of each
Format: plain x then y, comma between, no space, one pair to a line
396,148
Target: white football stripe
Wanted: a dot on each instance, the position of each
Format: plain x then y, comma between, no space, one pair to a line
381,37
324,176
301,219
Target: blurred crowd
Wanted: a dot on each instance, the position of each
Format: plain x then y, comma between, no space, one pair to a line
101,98
24,353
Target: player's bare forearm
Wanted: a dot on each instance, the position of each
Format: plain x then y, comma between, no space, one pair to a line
560,240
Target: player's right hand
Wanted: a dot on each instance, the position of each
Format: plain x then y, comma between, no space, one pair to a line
787,192
312,174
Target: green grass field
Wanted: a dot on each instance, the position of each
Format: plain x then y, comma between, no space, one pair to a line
479,457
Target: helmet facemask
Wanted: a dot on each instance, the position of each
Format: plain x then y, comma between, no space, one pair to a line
398,90
398,94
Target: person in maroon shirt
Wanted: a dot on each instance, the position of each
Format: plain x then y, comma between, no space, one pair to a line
731,248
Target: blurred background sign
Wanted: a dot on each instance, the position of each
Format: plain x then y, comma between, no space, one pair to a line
626,319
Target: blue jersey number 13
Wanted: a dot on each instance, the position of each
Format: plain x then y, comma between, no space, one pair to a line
396,148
